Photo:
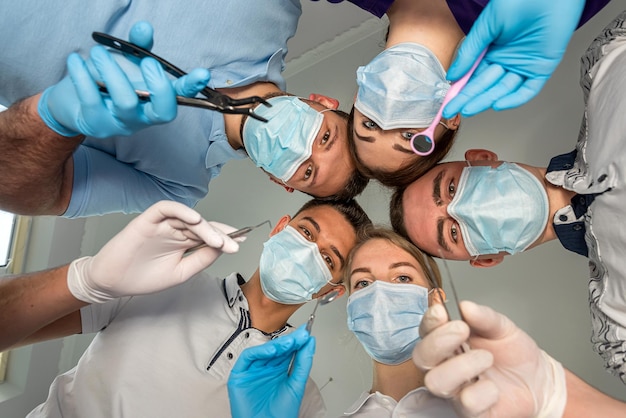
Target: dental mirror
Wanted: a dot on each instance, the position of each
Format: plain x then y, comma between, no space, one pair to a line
423,143
324,300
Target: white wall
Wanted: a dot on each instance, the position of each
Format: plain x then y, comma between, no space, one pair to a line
544,291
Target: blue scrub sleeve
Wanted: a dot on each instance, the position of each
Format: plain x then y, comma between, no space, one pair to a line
103,184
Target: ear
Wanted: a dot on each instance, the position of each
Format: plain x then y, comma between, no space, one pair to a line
437,295
454,122
280,225
280,183
329,102
491,261
480,155
340,289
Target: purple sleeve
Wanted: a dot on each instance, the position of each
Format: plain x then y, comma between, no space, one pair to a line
591,8
466,11
375,7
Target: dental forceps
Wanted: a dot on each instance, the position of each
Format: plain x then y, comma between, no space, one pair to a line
214,99
235,234
455,309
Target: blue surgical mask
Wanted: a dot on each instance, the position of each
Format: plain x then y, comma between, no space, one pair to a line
280,145
499,209
292,268
385,317
402,87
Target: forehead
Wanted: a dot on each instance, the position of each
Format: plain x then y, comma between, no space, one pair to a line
328,223
378,249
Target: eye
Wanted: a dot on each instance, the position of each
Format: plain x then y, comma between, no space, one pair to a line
308,172
454,232
307,234
451,189
368,124
360,284
326,137
403,279
407,135
329,260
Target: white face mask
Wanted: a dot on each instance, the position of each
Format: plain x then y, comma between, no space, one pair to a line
385,317
499,209
292,269
403,87
280,145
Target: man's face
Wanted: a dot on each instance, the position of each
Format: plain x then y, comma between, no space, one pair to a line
425,206
332,233
327,170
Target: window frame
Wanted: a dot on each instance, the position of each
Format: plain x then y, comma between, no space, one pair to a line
15,265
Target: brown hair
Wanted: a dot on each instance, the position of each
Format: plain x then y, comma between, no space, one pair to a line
412,170
426,262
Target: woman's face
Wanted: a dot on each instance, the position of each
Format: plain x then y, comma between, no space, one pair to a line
386,150
379,259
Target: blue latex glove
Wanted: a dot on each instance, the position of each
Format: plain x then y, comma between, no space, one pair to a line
259,386
526,40
75,105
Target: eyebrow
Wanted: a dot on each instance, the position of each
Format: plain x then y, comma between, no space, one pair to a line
400,148
437,187
364,138
361,270
440,238
401,264
313,222
339,256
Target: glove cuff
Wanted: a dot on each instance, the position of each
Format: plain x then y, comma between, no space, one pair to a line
46,116
77,278
556,400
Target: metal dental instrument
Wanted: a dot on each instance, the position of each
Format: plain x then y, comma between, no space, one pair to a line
454,306
235,234
214,99
326,299
423,143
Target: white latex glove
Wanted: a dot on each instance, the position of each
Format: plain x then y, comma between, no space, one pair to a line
148,254
515,377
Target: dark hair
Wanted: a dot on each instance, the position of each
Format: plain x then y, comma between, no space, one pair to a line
350,209
357,182
396,213
412,170
426,262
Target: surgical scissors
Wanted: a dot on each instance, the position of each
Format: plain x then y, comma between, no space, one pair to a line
214,99
235,234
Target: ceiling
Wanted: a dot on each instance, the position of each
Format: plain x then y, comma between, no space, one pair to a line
322,22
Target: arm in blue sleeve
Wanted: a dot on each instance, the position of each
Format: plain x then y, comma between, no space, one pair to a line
103,184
